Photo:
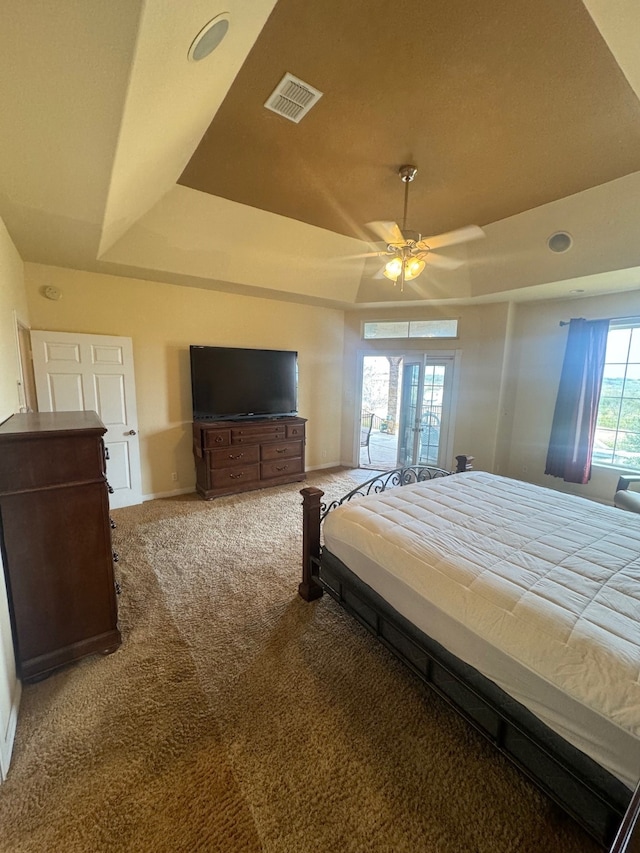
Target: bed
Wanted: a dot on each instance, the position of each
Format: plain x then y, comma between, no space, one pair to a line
518,604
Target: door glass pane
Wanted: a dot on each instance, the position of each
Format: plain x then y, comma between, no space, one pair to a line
431,416
409,409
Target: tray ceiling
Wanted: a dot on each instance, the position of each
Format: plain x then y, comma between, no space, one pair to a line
502,106
120,156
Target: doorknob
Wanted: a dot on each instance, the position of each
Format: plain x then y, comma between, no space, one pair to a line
131,432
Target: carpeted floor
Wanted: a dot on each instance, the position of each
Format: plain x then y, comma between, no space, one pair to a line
237,718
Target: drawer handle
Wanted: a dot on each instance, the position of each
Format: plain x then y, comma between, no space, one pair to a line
218,439
116,557
281,449
281,467
237,476
236,455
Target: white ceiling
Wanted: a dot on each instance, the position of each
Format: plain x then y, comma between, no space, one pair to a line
102,112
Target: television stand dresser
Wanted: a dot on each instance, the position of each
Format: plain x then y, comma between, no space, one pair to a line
239,456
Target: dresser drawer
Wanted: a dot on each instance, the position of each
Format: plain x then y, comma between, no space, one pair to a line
49,460
281,450
217,437
227,456
229,477
256,435
281,468
295,430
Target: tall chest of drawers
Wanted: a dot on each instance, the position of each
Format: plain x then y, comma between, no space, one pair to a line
238,456
56,539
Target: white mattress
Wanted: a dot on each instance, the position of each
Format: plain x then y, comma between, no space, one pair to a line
538,590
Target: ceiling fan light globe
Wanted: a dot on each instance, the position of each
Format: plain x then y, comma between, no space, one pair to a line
413,268
392,269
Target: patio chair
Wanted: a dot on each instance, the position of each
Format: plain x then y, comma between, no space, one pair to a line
624,497
366,424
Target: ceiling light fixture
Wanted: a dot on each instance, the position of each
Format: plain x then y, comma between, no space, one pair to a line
209,38
408,260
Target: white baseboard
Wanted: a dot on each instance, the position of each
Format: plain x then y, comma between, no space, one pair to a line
324,465
6,744
172,494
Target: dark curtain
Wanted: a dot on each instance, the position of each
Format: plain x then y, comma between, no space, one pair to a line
576,412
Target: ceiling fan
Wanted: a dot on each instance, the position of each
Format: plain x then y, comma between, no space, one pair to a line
407,250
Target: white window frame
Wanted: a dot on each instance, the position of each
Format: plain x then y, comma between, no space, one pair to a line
409,324
620,324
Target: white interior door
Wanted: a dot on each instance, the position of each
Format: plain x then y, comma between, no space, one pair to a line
76,372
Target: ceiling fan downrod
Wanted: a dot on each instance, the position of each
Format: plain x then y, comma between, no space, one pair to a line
407,174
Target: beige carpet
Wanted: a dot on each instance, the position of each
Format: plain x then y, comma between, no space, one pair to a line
236,718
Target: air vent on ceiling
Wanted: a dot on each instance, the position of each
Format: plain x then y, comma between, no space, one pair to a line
292,98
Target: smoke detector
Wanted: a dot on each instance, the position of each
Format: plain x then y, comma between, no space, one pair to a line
292,98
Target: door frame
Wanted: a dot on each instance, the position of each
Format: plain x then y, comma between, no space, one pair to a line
27,399
452,355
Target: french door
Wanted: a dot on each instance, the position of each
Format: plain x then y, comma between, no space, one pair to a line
425,411
406,409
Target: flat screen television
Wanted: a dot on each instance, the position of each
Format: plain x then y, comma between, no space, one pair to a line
231,383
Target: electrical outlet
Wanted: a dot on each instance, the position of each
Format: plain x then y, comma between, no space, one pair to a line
324,454
174,477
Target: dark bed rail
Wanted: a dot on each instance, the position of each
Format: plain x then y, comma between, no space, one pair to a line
314,512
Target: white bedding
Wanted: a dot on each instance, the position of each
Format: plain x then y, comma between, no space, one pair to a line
538,590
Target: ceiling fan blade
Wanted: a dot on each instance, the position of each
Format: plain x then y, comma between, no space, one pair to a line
388,232
460,235
363,255
433,259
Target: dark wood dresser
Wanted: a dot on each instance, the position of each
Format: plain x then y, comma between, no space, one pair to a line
238,456
56,539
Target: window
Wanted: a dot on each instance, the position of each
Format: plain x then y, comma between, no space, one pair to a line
617,440
411,329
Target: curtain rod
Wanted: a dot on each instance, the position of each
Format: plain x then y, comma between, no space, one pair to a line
630,320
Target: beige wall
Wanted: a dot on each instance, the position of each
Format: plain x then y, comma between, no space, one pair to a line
481,346
12,302
538,350
162,320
